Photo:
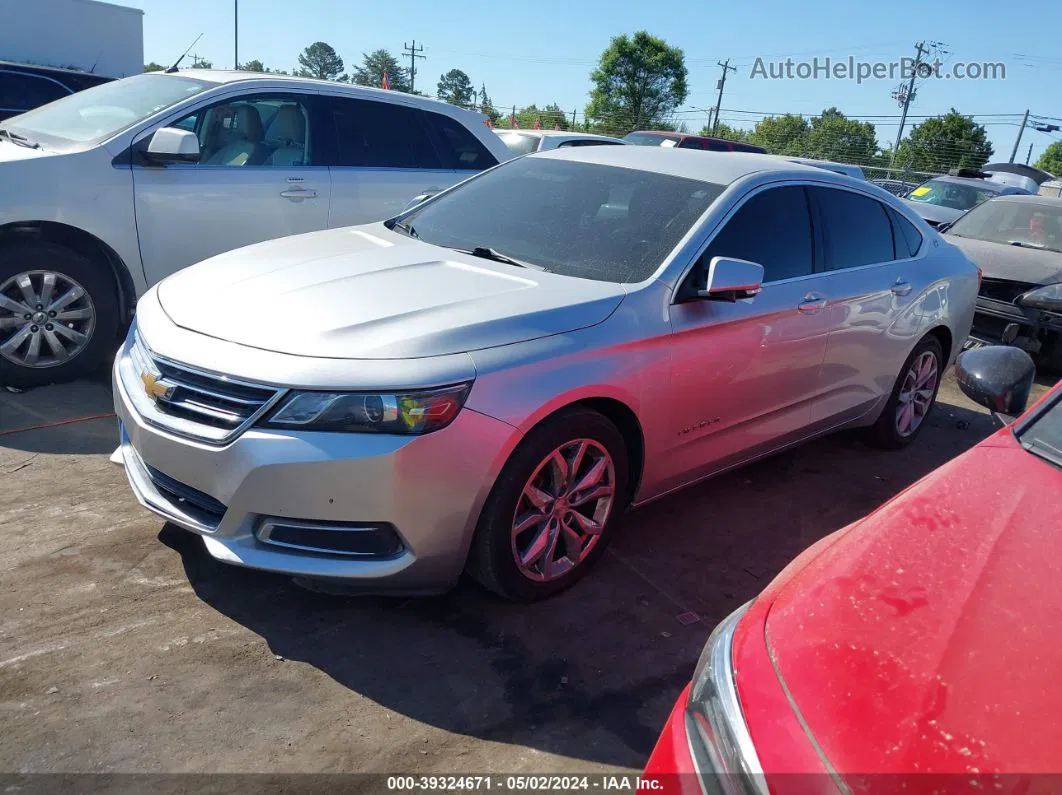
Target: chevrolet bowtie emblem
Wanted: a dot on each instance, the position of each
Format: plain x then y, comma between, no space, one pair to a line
155,388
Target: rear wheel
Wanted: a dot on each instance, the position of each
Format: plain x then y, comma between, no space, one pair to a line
912,397
58,314
549,515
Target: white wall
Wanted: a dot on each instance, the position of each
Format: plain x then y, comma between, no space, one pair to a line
73,33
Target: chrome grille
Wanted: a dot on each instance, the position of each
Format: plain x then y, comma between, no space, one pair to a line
191,402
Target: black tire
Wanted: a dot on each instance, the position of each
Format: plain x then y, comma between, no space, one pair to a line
884,433
491,559
97,281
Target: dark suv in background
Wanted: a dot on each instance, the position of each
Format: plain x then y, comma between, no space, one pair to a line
25,87
684,141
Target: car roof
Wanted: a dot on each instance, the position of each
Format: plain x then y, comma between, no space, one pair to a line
53,71
1030,198
975,181
717,167
558,133
223,77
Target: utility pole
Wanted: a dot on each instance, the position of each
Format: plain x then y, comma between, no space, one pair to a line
236,33
413,53
1017,141
1028,155
722,82
573,118
904,95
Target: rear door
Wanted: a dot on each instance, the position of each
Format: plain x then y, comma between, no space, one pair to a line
383,154
873,289
256,180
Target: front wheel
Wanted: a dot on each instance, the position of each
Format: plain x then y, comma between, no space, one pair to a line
58,314
547,519
912,397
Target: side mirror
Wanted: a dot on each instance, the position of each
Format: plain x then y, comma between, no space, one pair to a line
731,279
423,197
999,378
1046,299
171,145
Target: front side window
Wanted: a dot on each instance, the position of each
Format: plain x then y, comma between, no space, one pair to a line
855,229
578,219
772,229
21,92
98,113
256,130
1031,224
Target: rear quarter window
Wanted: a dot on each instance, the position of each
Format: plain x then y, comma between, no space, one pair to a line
458,148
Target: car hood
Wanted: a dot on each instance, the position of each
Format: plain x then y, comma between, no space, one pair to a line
926,639
934,213
369,293
1017,264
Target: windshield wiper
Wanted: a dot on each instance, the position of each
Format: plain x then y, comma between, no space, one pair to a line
21,140
404,227
485,252
1021,244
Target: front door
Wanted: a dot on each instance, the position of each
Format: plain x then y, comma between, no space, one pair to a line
744,374
254,181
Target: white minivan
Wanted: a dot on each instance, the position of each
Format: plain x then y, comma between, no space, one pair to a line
108,191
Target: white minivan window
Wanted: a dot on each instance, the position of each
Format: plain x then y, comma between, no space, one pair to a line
96,114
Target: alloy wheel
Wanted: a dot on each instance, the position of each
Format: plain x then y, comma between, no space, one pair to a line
46,319
916,393
563,509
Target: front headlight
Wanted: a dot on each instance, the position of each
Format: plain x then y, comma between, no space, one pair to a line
719,737
1046,299
414,412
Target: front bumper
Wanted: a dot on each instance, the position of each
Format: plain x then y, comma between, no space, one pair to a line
430,489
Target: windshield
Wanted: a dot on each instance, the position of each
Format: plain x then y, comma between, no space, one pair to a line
645,139
96,114
1043,437
578,219
1013,222
954,195
520,143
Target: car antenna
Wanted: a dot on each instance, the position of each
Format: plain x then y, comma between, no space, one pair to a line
177,63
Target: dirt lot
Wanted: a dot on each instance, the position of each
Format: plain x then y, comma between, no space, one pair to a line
124,647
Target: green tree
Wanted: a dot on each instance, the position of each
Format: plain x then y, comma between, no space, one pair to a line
1051,159
726,132
372,69
253,66
782,135
638,83
549,117
486,106
155,67
202,63
455,87
321,61
835,137
943,143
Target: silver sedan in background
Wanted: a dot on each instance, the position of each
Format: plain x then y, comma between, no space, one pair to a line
487,380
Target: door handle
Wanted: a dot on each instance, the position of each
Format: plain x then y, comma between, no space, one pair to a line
812,304
901,287
299,193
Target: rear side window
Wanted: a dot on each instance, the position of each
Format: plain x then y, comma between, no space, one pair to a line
786,251
589,142
690,143
908,239
458,147
371,134
855,229
717,146
25,92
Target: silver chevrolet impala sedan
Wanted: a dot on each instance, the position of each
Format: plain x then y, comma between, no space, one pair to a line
487,380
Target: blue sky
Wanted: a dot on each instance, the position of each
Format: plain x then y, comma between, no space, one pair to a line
543,52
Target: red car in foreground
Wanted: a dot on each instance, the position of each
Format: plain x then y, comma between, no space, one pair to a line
916,650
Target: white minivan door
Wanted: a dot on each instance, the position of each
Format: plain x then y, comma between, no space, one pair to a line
254,180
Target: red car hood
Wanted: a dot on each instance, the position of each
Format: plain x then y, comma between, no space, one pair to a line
929,637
